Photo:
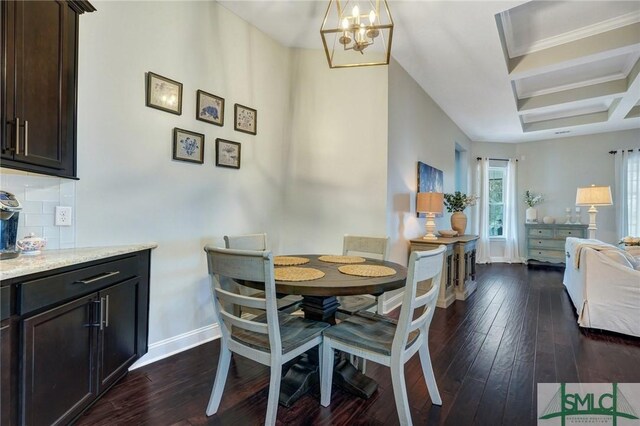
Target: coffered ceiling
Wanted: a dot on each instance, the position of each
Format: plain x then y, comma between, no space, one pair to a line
504,71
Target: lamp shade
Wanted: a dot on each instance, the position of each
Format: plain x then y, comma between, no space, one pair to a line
430,202
594,196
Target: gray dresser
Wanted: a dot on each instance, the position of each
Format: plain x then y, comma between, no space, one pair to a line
545,243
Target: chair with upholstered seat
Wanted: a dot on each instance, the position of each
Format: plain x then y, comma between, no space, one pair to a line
369,247
259,242
271,339
385,341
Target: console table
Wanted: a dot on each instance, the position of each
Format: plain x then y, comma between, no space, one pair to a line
459,267
545,242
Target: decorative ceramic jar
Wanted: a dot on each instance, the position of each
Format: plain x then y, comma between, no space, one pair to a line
459,222
31,244
548,220
531,215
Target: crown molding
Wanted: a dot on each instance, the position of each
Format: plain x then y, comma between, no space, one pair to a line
590,30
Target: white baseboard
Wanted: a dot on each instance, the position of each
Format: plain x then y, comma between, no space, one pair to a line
173,345
392,303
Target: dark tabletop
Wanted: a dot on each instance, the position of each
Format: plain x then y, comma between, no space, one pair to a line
335,283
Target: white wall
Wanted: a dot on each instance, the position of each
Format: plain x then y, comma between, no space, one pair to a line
336,157
418,131
130,190
557,167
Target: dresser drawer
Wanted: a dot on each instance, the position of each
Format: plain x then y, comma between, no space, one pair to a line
539,232
552,244
564,233
550,255
53,289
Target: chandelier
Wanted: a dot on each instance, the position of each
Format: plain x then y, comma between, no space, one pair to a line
357,33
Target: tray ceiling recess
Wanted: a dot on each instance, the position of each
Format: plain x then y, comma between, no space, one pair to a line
573,66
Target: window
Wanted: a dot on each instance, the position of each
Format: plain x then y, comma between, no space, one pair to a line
496,200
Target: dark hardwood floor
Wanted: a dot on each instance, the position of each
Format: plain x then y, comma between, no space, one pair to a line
488,353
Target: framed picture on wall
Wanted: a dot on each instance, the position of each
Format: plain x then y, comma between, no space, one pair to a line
188,146
209,108
245,119
227,154
430,179
163,93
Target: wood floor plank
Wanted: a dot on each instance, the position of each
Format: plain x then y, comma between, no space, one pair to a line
489,353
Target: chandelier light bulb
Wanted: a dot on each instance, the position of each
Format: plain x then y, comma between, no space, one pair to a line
372,17
345,24
356,11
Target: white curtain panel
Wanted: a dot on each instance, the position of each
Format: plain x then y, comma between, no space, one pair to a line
511,251
627,192
483,253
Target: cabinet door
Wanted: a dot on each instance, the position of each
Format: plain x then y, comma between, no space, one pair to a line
118,331
40,118
59,362
6,364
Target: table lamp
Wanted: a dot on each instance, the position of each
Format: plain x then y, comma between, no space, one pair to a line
430,203
593,196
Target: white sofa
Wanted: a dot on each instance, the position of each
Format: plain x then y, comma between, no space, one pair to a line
603,283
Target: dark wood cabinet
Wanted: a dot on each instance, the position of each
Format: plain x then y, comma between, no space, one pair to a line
6,382
39,85
118,332
74,332
58,363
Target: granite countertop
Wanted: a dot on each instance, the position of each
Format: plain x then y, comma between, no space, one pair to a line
53,259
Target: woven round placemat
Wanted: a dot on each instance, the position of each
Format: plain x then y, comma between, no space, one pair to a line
289,260
367,270
342,259
297,274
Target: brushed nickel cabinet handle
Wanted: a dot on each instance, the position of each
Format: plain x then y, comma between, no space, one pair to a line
26,138
97,278
17,136
106,319
101,313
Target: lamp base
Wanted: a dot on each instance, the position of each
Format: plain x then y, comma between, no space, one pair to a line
430,227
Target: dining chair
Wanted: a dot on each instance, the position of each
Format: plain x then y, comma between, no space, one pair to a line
258,242
271,339
369,247
389,342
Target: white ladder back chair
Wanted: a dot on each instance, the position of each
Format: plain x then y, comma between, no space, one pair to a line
272,338
257,242
246,242
371,247
387,342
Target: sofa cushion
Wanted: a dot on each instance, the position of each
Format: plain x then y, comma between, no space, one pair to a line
618,257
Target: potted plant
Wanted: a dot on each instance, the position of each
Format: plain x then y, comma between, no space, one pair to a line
456,203
531,199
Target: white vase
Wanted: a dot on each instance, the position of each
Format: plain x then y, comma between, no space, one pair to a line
531,215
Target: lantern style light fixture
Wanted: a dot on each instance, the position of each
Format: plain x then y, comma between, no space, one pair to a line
357,33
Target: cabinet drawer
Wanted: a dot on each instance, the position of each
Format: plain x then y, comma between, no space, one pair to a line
564,233
47,291
539,232
557,255
552,244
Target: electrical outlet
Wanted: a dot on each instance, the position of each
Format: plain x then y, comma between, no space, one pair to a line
63,216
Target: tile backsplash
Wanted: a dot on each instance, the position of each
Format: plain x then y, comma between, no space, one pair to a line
39,196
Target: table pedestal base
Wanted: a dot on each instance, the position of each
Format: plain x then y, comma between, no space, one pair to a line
319,308
305,374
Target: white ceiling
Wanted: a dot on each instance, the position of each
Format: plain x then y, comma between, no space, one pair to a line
556,69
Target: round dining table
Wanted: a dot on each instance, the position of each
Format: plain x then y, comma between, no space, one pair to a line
320,296
319,303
